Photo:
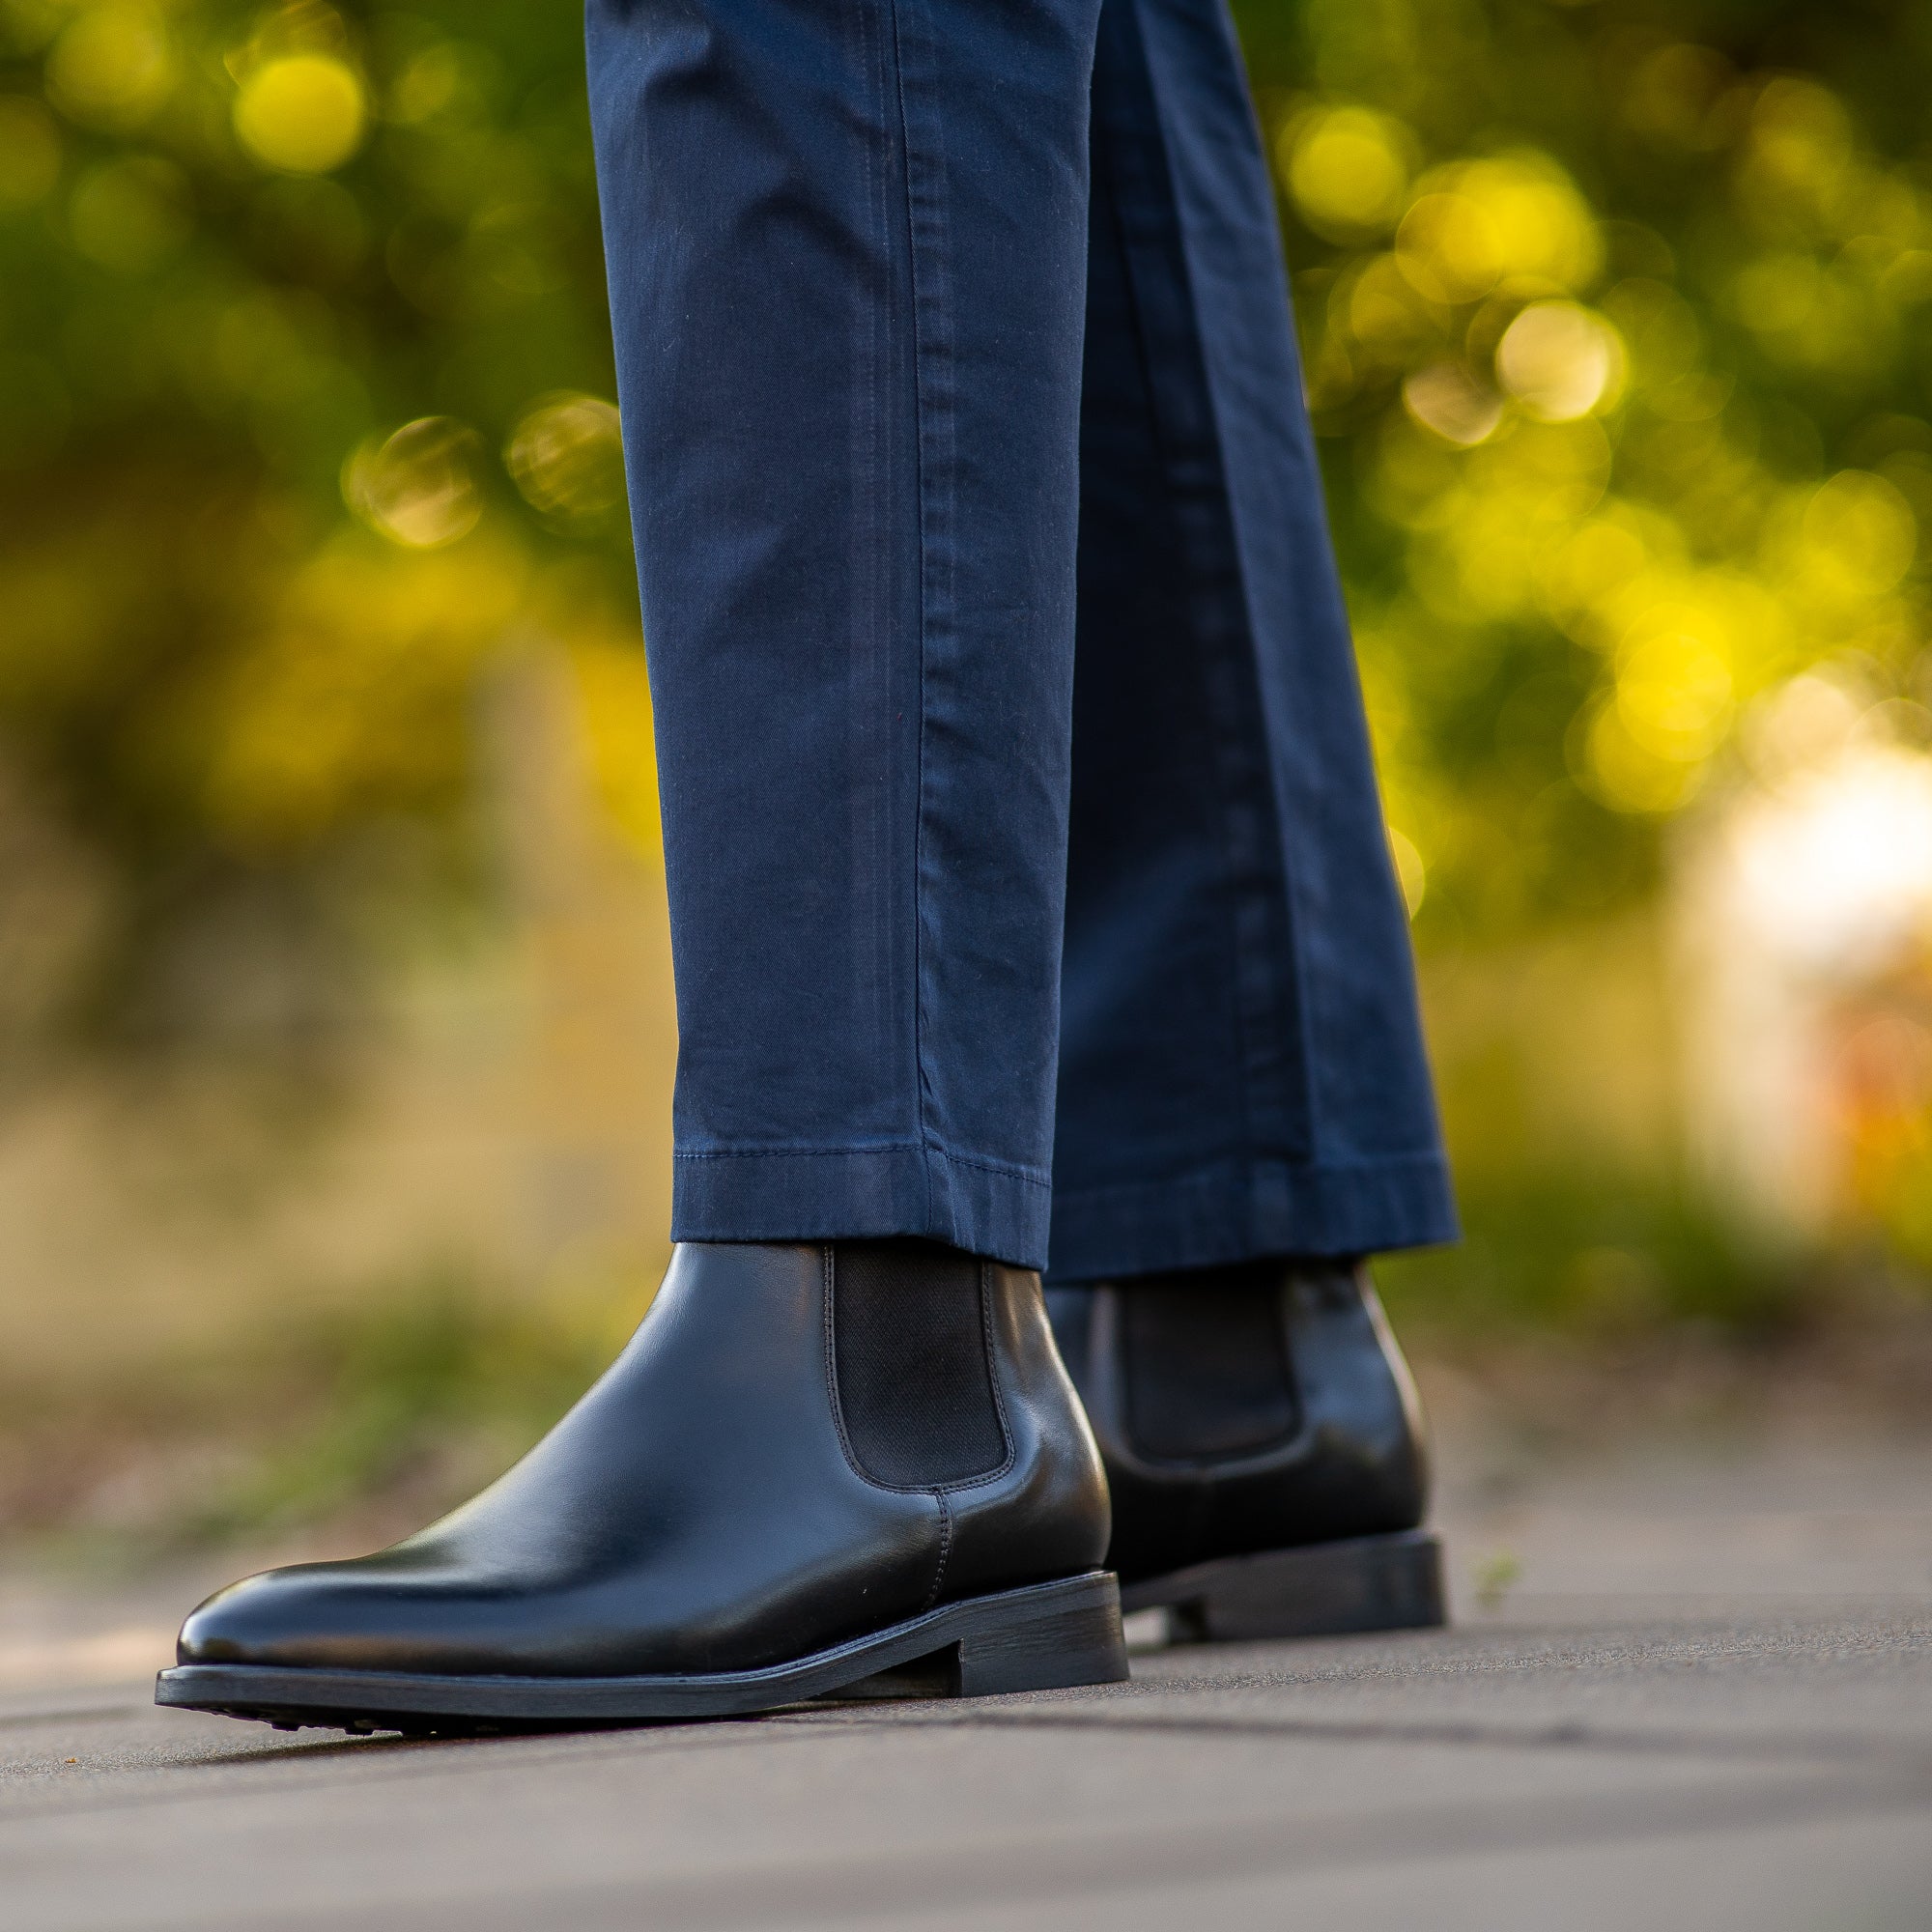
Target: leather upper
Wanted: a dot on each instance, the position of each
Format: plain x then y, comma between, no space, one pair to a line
698,1511
1351,1460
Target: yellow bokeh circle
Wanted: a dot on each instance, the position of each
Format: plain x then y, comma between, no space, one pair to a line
111,68
1674,696
1857,535
1348,169
1628,777
1561,361
1476,223
303,114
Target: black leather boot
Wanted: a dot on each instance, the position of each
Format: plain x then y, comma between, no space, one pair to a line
854,1469
1264,1446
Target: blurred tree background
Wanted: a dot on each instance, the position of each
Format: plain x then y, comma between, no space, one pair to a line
305,356
317,618
1618,321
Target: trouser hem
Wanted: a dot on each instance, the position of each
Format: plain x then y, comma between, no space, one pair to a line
860,1193
1244,1210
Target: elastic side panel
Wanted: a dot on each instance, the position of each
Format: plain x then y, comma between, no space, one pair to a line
909,1348
1207,1372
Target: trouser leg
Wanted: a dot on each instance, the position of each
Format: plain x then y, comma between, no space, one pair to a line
846,242
1240,1070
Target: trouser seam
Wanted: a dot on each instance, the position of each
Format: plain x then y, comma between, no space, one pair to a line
922,1081
1007,1170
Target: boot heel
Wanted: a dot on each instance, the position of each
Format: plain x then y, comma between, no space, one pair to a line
1323,1589
1068,1637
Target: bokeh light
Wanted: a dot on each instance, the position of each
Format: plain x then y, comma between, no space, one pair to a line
567,456
303,113
419,486
1560,362
1446,398
1476,223
1834,869
112,67
1348,168
1857,536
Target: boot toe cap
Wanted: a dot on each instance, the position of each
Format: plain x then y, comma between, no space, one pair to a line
312,1615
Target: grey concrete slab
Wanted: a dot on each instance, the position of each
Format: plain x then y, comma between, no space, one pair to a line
1485,1777
1738,1737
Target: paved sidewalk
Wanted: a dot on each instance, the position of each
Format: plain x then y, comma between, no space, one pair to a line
1740,1737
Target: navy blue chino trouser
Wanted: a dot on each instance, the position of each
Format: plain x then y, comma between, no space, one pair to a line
1028,881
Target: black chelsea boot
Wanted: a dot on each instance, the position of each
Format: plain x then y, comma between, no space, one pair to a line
1264,1446
856,1469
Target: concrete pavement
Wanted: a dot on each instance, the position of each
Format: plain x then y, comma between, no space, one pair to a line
1740,1736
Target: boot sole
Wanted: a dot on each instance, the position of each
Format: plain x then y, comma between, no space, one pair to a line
1322,1589
1048,1637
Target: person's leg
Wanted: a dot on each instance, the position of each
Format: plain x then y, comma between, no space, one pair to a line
1244,1105
846,242
1242,1069
847,245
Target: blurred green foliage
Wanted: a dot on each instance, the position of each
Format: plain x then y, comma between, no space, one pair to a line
244,619
1602,1257
1618,326
383,1399
1618,320
1619,331
404,1400
1618,314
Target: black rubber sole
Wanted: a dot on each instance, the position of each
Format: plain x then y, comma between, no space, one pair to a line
1047,1636
1323,1589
